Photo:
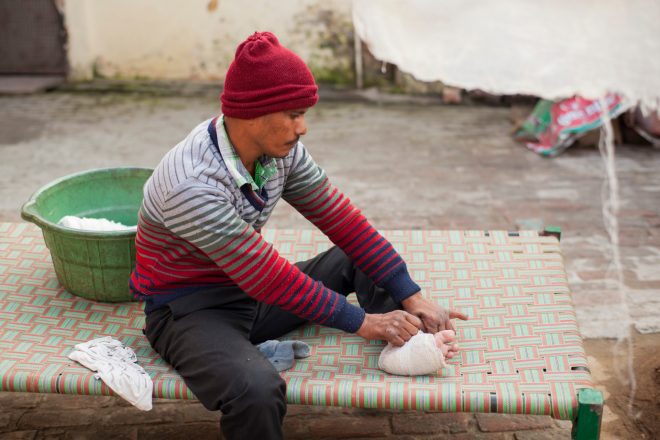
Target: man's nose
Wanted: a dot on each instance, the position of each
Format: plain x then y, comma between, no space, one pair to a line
301,126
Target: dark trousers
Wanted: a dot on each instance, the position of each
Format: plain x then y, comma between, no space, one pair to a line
208,338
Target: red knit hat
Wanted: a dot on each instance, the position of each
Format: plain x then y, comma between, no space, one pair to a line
266,77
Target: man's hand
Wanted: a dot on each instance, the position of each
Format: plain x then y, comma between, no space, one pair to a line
394,327
434,317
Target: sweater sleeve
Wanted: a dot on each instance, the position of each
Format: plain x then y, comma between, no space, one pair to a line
308,190
203,216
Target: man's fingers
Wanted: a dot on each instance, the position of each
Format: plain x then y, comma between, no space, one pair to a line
429,325
457,314
414,320
406,325
400,329
396,340
410,329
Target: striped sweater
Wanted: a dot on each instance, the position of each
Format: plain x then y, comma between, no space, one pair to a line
197,229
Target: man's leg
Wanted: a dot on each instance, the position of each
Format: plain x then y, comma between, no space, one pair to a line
337,272
211,351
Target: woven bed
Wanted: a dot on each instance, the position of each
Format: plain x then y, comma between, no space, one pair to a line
521,351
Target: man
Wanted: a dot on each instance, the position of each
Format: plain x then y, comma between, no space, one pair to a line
213,287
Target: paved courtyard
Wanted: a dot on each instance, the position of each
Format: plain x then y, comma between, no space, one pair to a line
407,166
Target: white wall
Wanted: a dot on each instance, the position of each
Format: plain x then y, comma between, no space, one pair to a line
192,39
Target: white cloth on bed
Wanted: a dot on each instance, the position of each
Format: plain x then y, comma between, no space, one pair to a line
116,365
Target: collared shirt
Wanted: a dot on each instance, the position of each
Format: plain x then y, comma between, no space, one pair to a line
264,169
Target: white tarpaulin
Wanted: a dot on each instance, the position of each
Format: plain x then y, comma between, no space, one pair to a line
553,49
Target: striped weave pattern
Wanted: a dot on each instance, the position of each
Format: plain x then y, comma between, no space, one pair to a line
520,351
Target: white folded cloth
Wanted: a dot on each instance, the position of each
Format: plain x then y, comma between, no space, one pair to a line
418,356
93,224
116,365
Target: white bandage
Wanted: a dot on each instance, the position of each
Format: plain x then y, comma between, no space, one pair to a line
419,356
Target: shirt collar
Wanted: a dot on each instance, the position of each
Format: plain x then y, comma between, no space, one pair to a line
265,168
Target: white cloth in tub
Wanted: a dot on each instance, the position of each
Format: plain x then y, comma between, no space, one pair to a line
93,224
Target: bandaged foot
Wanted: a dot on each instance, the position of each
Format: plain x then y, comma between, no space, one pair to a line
423,354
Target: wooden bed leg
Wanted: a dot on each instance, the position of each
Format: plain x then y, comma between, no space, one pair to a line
586,425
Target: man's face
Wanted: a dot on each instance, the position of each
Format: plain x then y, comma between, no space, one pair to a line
277,133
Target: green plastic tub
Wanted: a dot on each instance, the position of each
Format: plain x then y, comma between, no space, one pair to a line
91,264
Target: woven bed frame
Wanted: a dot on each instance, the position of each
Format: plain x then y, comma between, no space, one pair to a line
521,352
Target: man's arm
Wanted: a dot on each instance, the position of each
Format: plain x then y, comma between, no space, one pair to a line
202,216
308,190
